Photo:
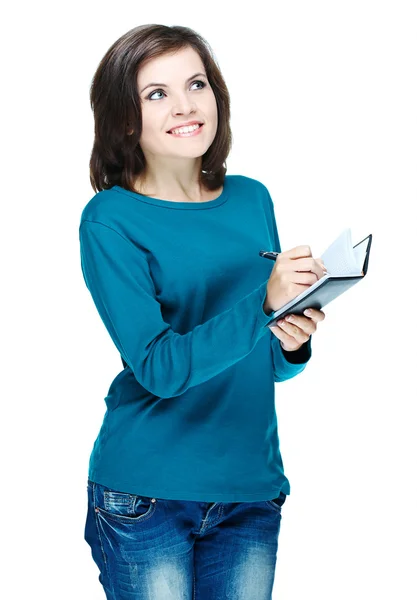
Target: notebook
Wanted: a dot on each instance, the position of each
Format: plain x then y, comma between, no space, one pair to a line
346,265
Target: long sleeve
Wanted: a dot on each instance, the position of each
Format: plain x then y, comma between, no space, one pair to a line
180,288
286,364
163,361
297,357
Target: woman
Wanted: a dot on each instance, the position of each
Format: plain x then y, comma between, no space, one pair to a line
186,480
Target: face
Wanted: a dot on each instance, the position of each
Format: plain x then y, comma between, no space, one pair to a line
180,100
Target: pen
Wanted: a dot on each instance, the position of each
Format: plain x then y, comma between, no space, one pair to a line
270,255
274,255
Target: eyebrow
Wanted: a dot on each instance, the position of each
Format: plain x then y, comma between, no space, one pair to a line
165,85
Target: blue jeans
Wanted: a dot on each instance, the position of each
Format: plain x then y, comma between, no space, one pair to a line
155,549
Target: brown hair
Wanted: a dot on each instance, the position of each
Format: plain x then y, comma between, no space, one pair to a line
116,157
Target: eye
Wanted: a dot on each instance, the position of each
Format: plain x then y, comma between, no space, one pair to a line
155,91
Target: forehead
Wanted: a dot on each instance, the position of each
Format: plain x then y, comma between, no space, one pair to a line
180,64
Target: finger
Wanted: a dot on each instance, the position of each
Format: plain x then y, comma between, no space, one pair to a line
287,340
316,315
302,265
298,322
297,252
294,331
317,269
310,266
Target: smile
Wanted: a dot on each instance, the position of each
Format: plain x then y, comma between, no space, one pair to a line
186,131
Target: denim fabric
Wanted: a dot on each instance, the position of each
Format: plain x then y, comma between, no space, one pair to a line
155,549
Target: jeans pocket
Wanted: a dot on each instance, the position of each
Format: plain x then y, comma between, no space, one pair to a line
276,503
124,507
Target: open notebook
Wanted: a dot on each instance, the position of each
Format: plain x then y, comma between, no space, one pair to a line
346,265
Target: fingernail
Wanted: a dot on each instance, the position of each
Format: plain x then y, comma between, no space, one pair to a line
307,312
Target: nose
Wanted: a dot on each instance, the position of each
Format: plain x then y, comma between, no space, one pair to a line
184,105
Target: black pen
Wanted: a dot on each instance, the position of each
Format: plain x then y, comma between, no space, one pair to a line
270,255
274,256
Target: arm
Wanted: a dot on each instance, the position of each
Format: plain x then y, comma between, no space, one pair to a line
164,362
286,364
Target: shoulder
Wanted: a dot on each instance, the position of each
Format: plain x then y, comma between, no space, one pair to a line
105,207
248,184
253,188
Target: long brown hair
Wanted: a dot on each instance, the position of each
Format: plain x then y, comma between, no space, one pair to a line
116,157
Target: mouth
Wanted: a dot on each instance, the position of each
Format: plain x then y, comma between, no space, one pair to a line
200,125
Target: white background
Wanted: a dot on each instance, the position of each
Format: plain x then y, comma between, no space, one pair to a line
323,99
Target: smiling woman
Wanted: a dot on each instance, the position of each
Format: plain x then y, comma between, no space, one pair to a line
188,455
173,169
153,81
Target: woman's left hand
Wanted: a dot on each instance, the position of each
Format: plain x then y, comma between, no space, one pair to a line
295,330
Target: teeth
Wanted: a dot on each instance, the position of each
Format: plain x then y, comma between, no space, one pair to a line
185,129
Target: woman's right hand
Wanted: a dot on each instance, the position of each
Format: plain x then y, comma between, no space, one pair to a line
294,271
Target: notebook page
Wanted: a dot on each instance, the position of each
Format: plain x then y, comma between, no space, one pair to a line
360,253
339,258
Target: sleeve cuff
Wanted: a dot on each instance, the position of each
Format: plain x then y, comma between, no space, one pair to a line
300,356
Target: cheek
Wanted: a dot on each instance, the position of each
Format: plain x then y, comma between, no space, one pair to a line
209,110
152,129
212,109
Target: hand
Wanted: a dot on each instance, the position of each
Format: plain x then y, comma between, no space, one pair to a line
294,271
295,332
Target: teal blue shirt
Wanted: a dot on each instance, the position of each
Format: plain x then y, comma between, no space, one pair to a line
180,288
